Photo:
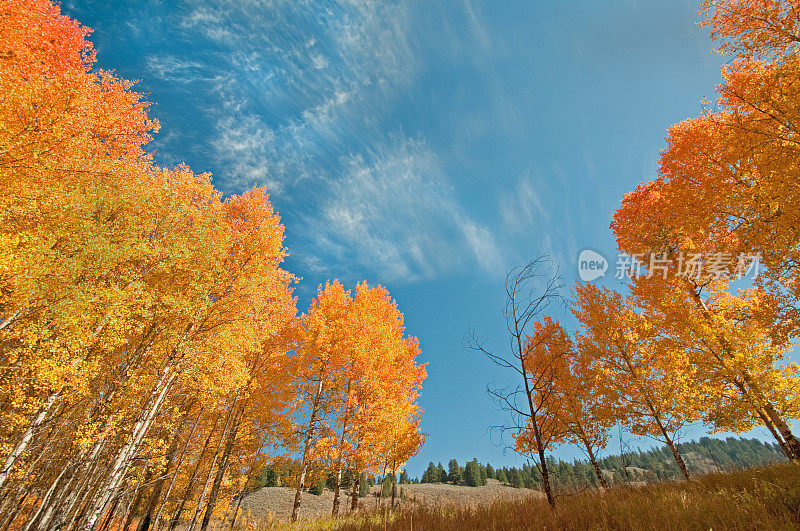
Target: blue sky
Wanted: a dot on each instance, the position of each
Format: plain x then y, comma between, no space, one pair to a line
426,146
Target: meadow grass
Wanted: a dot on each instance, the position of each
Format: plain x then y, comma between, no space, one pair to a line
757,498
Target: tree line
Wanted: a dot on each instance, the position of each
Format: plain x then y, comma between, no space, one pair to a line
656,464
151,355
683,342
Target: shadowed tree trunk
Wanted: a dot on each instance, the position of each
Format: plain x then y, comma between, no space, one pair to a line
339,457
593,460
212,499
306,447
190,484
201,499
354,491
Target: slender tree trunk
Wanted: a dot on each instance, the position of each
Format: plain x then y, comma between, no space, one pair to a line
109,515
45,501
653,412
791,441
136,498
379,501
27,436
152,501
212,499
145,526
545,473
81,503
190,484
354,491
10,503
394,488
122,462
548,491
771,427
760,412
306,446
537,435
16,510
203,493
236,509
337,487
593,460
74,499
673,449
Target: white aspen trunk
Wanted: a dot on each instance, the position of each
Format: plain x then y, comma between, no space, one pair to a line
177,469
190,484
22,445
335,510
126,455
32,521
203,493
306,446
68,501
354,492
212,498
26,438
10,319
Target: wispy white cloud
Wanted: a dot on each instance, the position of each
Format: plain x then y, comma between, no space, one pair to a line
535,220
521,207
301,96
247,147
394,211
174,69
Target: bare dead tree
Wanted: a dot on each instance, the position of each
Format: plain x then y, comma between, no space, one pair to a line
532,291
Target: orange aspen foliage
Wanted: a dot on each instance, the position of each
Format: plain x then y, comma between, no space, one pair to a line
145,321
727,188
642,368
547,354
362,380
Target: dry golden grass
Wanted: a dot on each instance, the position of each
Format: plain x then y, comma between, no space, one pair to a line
274,504
764,498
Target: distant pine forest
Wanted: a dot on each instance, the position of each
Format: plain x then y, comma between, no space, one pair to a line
633,467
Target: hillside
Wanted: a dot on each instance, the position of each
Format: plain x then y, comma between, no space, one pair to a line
759,498
436,488
270,504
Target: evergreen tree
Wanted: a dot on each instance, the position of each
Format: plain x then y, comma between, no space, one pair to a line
454,475
472,475
517,478
267,478
490,471
501,476
442,473
482,475
431,474
317,488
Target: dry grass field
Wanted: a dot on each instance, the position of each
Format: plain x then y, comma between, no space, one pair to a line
274,504
763,498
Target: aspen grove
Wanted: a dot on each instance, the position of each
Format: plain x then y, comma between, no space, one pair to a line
684,342
151,356
152,359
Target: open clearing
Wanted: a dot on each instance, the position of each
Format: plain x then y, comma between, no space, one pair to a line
275,503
